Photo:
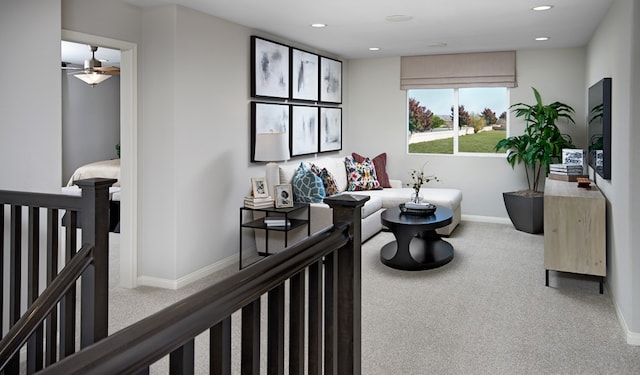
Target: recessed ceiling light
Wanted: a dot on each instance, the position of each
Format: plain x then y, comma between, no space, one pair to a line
318,25
542,38
398,18
437,44
374,48
542,7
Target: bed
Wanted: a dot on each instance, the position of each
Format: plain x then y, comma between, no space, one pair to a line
104,169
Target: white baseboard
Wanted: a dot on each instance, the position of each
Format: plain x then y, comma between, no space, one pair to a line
486,219
633,338
188,279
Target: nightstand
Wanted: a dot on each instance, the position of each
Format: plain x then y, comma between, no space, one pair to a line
284,213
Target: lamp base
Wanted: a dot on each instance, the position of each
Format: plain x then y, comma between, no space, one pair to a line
272,174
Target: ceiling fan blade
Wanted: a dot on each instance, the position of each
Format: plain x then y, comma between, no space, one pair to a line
70,66
108,70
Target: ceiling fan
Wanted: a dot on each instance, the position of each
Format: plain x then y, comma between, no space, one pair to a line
93,72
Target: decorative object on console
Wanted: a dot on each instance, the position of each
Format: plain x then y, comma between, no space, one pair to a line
283,195
271,147
330,80
584,182
269,69
361,176
253,202
304,75
419,178
422,209
330,129
380,163
259,187
307,187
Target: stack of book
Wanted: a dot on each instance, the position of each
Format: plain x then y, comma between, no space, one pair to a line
252,202
565,172
276,222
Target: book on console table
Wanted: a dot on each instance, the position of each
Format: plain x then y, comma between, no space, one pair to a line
276,222
252,202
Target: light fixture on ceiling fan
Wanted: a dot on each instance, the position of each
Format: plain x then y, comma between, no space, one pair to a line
93,72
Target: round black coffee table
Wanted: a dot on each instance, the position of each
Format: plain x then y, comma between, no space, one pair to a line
417,245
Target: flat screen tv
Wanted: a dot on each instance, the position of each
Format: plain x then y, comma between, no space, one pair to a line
599,124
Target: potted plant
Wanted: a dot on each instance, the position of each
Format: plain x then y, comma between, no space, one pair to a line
540,145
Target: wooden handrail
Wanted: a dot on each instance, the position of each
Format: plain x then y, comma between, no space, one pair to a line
134,348
39,310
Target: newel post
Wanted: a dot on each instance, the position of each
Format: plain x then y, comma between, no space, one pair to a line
348,209
95,279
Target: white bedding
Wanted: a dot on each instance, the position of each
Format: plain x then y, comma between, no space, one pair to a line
105,169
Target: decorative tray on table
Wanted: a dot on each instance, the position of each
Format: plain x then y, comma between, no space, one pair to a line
423,209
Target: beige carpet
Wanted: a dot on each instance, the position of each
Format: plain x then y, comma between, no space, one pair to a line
486,312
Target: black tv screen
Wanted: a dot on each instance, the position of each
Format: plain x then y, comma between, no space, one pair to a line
599,123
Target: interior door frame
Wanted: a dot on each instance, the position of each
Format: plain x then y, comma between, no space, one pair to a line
128,258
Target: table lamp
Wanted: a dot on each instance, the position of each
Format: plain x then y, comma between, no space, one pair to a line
272,147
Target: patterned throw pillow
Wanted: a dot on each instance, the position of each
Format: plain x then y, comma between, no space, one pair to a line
361,176
307,187
329,182
380,162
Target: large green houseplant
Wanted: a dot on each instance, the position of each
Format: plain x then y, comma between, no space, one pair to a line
539,146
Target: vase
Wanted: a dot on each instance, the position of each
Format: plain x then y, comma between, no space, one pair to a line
416,197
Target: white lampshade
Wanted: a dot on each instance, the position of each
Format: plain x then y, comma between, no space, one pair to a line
92,78
272,147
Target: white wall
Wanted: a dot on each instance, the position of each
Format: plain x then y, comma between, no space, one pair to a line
613,52
30,108
377,123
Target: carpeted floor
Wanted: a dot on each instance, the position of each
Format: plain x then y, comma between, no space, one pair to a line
486,312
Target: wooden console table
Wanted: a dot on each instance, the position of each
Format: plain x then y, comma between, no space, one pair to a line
574,230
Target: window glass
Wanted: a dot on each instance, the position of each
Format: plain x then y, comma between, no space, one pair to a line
451,121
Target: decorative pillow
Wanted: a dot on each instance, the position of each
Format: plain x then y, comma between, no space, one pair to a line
328,181
380,162
361,176
307,187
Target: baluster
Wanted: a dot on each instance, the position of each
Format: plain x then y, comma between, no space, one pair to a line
296,323
220,348
51,332
68,302
330,314
275,331
2,270
15,265
250,356
315,322
181,359
34,345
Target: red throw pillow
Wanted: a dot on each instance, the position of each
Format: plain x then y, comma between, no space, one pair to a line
380,163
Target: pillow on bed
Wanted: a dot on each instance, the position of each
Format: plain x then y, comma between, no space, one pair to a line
307,187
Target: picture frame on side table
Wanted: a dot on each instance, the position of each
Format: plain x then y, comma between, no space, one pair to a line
269,69
268,118
330,129
330,80
304,75
259,187
304,129
283,196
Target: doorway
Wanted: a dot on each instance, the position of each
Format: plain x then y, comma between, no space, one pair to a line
128,144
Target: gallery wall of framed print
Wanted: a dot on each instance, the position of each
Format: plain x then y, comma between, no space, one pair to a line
269,69
304,75
304,130
330,80
330,129
268,118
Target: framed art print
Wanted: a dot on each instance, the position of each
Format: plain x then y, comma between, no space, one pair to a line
330,129
259,187
268,118
304,130
304,75
269,69
330,80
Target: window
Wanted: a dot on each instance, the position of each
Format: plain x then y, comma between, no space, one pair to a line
455,121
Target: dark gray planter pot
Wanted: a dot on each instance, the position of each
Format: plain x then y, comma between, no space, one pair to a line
526,210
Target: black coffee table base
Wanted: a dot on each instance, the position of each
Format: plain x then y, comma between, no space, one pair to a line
425,252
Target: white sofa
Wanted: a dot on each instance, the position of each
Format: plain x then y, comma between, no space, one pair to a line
321,214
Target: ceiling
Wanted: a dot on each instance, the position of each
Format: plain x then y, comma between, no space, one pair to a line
353,26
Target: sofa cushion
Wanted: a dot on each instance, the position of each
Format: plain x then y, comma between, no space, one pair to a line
450,198
329,183
307,187
361,176
380,162
372,205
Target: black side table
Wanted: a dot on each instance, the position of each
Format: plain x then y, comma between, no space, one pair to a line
274,212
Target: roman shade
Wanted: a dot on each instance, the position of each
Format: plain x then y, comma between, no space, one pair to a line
483,69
